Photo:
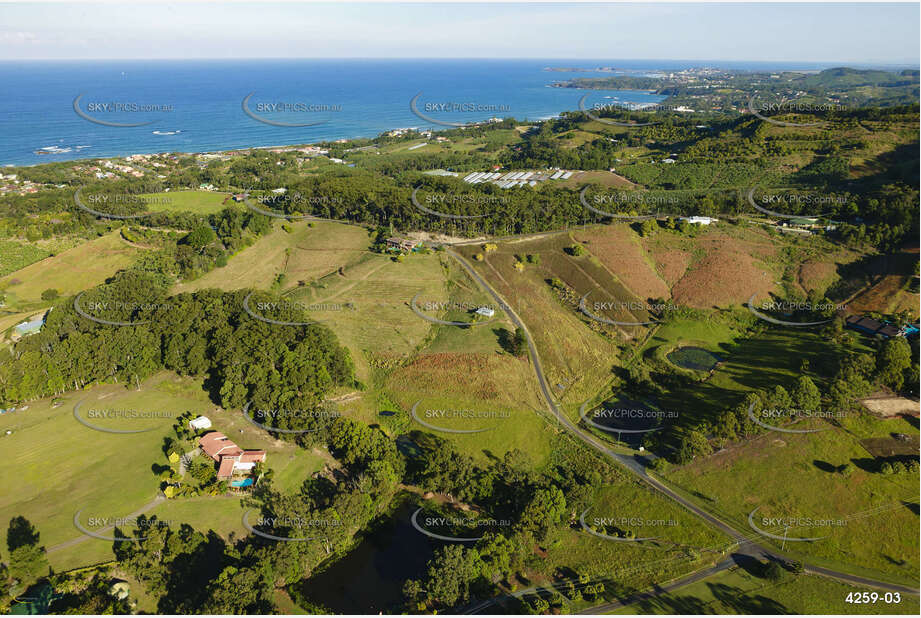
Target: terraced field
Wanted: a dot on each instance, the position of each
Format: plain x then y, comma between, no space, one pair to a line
577,353
368,305
306,253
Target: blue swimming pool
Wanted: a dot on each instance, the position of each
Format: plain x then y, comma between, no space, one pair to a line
241,483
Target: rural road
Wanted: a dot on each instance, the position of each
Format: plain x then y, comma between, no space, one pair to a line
83,537
746,545
660,590
611,606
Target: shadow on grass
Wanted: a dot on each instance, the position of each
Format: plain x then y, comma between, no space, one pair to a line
728,599
824,466
742,603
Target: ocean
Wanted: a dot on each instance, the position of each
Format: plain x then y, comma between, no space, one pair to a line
197,105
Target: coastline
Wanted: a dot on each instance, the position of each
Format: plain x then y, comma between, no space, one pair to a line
8,166
372,97
226,151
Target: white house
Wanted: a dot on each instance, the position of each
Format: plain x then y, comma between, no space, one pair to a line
486,312
700,220
202,422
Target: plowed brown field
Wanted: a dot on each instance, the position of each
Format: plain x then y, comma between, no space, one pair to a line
618,249
725,276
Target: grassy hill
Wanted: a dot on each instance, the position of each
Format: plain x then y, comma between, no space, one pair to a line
741,591
307,252
780,473
85,266
201,202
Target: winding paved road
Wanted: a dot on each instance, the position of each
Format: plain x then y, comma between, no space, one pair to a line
636,465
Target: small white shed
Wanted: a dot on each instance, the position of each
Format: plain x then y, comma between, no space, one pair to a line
202,422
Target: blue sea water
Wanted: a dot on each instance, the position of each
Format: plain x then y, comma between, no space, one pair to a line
196,105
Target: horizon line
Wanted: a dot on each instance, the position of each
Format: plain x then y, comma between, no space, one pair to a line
841,63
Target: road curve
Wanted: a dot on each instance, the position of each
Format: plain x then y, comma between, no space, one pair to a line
746,545
83,538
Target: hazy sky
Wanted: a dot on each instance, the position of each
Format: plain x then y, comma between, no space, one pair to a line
821,32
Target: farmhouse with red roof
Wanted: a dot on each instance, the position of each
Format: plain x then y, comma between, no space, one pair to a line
229,457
